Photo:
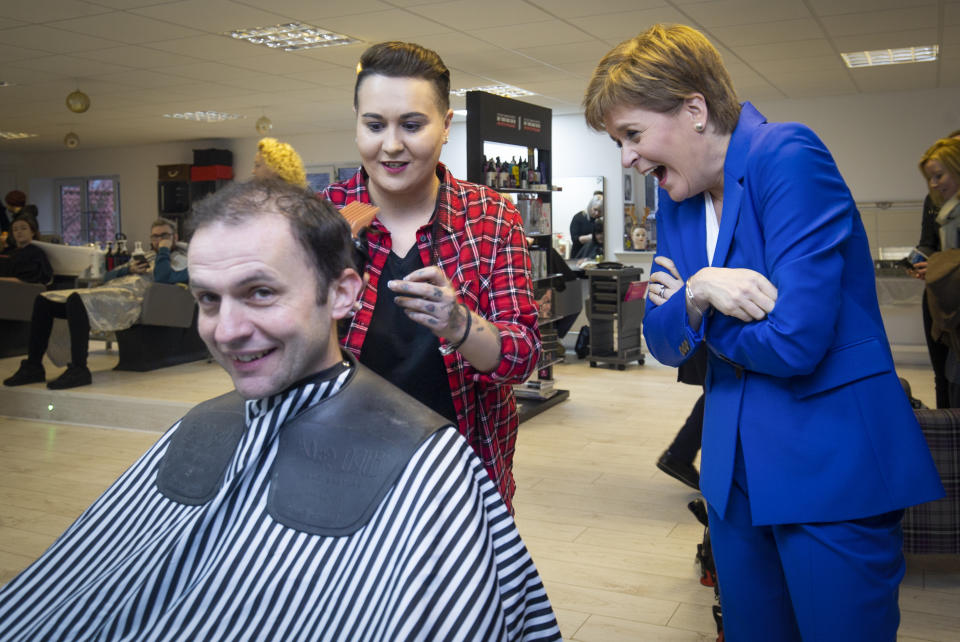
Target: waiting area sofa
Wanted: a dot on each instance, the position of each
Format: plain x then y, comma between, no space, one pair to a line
16,306
934,527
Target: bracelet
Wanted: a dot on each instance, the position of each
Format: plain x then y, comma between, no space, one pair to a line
450,347
693,301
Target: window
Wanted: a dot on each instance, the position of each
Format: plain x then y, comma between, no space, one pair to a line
89,209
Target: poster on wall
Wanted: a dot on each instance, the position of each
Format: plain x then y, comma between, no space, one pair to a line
640,218
318,177
346,172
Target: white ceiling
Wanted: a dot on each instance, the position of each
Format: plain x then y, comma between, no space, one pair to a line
140,59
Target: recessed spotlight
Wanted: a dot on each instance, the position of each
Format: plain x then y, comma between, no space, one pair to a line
16,135
293,36
878,57
507,91
204,116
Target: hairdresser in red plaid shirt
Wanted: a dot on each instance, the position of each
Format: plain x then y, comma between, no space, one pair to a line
448,313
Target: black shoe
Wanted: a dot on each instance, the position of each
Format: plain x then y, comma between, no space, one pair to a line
29,372
679,470
72,377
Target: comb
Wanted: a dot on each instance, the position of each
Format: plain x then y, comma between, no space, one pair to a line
358,215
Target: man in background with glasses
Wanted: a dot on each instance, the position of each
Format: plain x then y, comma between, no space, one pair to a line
108,308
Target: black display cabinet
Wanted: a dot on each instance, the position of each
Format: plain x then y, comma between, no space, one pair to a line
496,119
179,186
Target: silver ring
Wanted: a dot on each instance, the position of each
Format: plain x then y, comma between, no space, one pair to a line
663,288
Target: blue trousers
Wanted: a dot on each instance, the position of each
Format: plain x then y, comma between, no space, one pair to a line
806,582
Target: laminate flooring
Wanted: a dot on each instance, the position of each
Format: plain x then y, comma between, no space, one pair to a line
611,535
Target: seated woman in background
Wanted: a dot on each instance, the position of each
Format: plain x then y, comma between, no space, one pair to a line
23,260
279,160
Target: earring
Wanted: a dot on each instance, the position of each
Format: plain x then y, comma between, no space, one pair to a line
698,127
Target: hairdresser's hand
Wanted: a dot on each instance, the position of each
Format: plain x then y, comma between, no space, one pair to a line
736,292
428,298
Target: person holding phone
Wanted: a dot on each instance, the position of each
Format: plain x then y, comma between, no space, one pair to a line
447,313
942,186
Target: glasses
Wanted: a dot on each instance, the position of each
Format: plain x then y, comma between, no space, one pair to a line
161,237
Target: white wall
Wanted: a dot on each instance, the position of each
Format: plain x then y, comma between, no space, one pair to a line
876,140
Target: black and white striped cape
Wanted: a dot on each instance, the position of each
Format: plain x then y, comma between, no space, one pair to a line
441,559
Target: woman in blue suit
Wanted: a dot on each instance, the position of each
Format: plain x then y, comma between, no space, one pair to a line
810,448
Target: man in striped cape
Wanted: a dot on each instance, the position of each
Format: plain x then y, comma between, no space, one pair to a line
316,502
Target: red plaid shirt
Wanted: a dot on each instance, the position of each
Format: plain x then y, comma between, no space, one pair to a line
483,251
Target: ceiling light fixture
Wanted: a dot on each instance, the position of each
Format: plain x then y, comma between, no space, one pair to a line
204,116
78,102
264,125
71,140
293,36
6,83
507,91
16,135
927,53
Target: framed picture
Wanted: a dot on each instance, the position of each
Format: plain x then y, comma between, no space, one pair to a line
319,176
628,187
651,193
347,170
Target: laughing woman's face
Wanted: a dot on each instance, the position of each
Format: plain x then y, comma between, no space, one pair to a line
663,144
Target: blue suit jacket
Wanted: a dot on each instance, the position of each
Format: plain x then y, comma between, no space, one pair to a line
826,429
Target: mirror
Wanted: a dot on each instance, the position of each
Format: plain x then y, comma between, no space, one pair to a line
574,196
639,212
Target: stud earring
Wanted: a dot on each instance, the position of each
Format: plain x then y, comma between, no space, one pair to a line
698,127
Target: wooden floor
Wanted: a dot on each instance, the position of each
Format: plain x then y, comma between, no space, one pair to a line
611,535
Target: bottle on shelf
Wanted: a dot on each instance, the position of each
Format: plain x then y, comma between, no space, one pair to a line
514,173
110,258
490,174
503,179
122,255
